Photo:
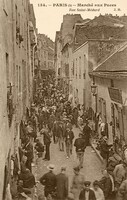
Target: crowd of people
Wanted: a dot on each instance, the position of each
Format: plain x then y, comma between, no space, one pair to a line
50,120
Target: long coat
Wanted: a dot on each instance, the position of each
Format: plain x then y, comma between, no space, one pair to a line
61,186
49,181
87,134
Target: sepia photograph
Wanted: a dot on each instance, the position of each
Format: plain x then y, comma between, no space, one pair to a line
63,100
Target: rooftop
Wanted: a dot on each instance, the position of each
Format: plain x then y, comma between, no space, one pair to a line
116,62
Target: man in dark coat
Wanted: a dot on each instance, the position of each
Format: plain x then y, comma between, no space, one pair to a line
47,142
87,193
51,121
106,184
60,133
62,185
69,136
49,181
28,179
80,148
104,149
54,131
75,116
28,151
87,133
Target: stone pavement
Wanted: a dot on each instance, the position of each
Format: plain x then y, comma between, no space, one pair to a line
92,165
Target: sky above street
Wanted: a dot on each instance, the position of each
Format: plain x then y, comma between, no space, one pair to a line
49,13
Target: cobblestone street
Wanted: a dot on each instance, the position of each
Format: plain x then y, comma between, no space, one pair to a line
91,169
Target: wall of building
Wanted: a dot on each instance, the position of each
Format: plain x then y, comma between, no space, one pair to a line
45,52
6,63
122,85
81,81
103,96
68,24
58,61
15,78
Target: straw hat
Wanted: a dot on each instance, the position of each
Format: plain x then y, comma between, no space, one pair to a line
50,167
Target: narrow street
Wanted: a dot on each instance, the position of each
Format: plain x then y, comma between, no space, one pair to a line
63,65
91,170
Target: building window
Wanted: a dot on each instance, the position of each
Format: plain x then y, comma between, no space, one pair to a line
45,54
112,83
17,25
84,74
7,68
17,83
73,69
76,69
79,67
19,79
84,70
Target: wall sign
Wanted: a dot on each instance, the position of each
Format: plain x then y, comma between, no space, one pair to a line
115,95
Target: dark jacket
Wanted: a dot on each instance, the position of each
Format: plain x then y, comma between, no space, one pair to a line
91,195
80,145
55,128
49,181
87,134
47,138
104,149
106,186
60,132
87,130
29,151
51,121
28,179
39,147
61,186
69,135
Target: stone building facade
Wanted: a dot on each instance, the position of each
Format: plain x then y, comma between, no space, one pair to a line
16,78
45,50
63,50
80,76
110,79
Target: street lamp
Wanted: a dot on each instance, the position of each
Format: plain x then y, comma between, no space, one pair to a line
94,89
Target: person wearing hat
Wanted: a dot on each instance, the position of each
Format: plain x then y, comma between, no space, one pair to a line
28,179
113,160
60,134
28,152
107,185
69,136
77,183
80,148
120,173
104,150
47,142
87,133
87,193
62,185
122,192
98,191
49,181
75,116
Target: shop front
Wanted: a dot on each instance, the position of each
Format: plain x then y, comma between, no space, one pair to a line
117,122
